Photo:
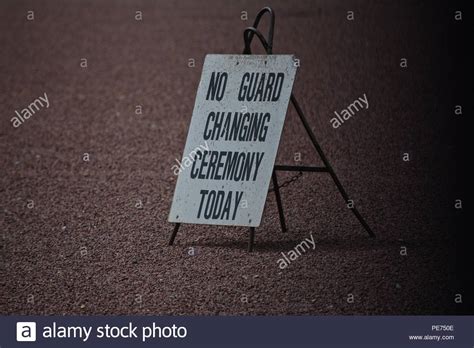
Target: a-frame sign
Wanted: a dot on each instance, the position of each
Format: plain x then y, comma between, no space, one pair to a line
233,139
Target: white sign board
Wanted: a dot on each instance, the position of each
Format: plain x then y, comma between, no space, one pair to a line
233,139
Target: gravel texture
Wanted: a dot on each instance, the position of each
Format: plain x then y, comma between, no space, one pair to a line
95,241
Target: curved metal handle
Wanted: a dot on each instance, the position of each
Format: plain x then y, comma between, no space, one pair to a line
251,31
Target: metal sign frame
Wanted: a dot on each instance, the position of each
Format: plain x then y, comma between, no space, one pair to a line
249,34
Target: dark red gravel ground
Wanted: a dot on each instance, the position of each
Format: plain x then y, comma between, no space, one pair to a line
86,248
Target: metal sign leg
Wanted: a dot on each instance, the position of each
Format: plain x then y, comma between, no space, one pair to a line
278,200
251,238
328,165
173,235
